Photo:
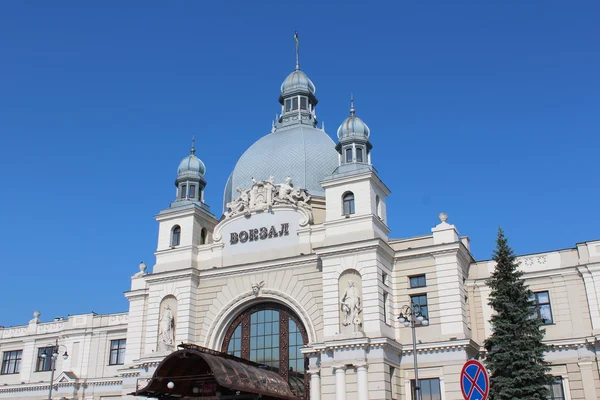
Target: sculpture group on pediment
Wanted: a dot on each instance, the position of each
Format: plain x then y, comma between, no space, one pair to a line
265,194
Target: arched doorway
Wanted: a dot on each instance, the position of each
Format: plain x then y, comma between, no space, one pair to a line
270,333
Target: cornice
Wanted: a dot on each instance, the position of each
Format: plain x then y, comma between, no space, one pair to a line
76,384
442,347
345,248
300,261
176,275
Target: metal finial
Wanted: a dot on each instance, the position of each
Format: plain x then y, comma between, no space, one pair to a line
352,110
297,51
193,149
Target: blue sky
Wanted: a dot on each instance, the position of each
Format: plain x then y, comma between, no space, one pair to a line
488,111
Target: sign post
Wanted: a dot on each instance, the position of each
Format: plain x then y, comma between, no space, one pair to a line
474,381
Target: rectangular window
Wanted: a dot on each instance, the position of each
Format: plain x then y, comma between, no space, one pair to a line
192,191
393,382
304,103
386,318
288,105
421,301
556,389
117,352
44,359
295,103
11,362
417,281
359,157
384,278
348,155
430,389
183,191
542,307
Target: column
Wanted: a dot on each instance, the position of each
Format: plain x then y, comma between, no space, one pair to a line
363,381
340,382
587,378
315,384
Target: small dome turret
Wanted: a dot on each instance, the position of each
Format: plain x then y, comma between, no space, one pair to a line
353,139
190,180
353,127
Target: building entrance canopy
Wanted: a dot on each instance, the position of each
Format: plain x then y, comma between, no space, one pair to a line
199,373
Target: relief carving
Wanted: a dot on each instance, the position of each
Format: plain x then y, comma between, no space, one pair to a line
265,194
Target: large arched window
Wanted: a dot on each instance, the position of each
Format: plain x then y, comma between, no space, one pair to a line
270,334
175,236
348,201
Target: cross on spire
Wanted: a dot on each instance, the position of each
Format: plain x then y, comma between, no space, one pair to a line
297,51
193,149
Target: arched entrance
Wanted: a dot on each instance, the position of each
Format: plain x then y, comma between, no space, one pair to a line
271,334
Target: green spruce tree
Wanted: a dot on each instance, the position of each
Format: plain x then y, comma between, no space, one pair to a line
515,351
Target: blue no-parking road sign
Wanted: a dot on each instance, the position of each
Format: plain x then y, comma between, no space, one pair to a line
474,381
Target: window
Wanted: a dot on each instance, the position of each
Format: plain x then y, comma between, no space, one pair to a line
417,281
183,192
44,359
542,307
348,155
303,103
384,278
203,235
288,105
377,212
348,203
11,362
556,389
117,352
270,334
359,157
295,103
176,235
386,318
421,301
430,389
192,191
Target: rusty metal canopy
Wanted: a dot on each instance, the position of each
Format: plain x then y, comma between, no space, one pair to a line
201,373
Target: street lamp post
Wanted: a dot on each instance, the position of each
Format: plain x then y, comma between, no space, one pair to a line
53,356
411,316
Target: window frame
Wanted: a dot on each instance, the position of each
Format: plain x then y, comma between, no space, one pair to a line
183,191
428,380
411,277
386,311
359,150
557,381
426,313
537,306
192,191
285,315
348,198
120,357
348,155
295,103
175,233
288,105
11,365
40,365
303,103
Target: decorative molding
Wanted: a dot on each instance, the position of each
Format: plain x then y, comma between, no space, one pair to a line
263,195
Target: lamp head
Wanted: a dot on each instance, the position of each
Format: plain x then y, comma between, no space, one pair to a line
401,318
425,322
65,356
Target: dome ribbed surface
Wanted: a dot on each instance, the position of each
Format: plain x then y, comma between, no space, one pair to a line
297,80
305,154
191,164
353,127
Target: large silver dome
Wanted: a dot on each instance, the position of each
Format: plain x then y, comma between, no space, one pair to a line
305,154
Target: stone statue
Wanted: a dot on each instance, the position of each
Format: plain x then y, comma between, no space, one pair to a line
256,287
166,330
241,204
285,193
351,306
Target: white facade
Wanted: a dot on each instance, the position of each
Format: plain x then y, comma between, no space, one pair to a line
311,257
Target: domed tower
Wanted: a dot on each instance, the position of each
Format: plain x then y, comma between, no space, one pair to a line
354,191
187,224
354,145
190,180
294,148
